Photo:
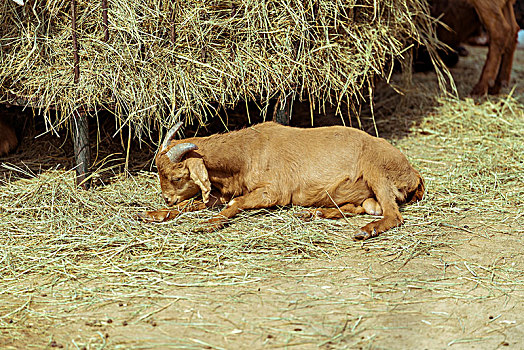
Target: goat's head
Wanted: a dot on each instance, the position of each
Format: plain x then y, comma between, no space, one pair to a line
181,176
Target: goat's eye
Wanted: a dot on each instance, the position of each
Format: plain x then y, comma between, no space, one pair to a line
176,179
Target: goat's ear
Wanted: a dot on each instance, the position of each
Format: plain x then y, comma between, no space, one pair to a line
198,173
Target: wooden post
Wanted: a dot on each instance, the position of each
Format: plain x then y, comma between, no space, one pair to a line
172,22
104,18
81,148
80,126
281,114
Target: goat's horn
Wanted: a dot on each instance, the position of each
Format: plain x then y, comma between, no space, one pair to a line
176,153
169,136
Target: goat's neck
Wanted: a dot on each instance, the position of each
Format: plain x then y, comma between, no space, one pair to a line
222,154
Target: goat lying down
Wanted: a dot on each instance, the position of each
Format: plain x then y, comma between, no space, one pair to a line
334,169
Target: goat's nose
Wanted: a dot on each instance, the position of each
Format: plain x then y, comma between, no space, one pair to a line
166,200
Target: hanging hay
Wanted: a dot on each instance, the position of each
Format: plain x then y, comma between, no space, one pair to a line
164,60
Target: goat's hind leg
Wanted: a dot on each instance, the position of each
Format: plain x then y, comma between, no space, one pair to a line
330,213
260,198
386,198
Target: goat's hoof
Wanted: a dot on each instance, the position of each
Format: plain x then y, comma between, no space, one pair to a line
479,90
213,225
495,90
156,215
462,51
308,215
363,235
305,215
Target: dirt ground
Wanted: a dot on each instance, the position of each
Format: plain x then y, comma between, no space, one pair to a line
451,277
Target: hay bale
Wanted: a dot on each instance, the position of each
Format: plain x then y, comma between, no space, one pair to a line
167,60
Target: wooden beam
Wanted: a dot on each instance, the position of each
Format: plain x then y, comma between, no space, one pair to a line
282,111
80,126
105,22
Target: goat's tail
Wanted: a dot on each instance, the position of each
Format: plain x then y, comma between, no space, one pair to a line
418,193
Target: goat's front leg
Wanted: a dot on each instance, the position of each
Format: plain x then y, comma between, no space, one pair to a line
369,206
260,198
330,213
189,205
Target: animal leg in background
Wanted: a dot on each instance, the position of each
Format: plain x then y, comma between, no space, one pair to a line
260,198
8,140
498,29
506,63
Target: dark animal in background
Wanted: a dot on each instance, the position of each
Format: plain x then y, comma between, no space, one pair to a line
464,18
8,140
518,8
334,169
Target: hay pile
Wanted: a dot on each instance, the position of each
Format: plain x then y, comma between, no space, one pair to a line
164,60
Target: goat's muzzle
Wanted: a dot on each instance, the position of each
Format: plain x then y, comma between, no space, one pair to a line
170,202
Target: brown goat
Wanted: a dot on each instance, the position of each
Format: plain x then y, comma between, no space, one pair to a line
498,17
8,140
336,169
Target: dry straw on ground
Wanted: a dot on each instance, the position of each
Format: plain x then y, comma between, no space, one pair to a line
166,60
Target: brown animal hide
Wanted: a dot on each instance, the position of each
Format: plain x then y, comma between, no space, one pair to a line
8,140
334,169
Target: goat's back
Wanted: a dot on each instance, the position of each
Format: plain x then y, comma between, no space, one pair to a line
302,163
